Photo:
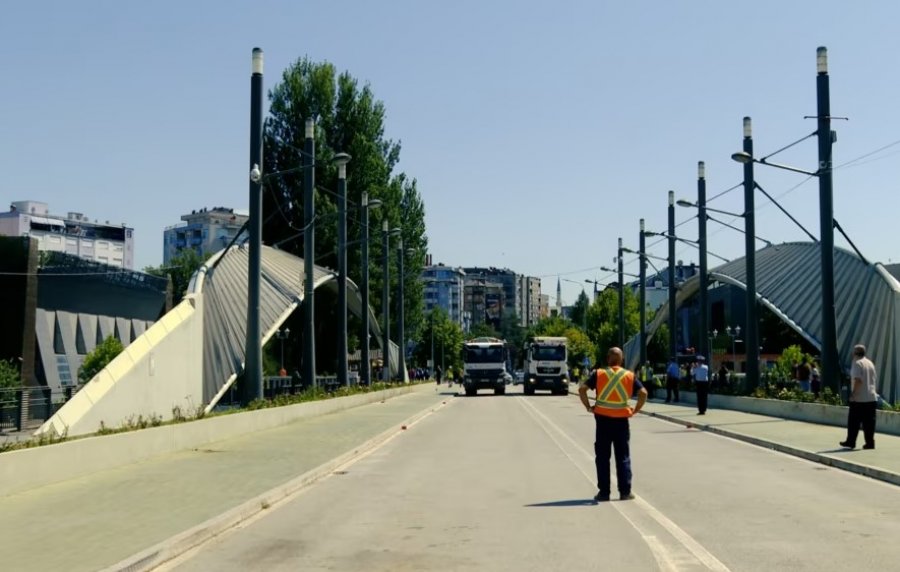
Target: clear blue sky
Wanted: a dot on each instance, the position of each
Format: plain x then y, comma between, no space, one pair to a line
539,132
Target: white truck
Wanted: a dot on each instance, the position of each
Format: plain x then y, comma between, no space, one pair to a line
484,365
546,365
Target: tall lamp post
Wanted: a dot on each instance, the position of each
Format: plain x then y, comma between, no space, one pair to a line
282,335
309,255
341,160
733,333
366,362
752,331
252,385
673,347
401,331
386,298
621,297
643,295
705,348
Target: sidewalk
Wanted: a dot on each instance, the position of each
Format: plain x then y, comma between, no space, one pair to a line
97,521
818,443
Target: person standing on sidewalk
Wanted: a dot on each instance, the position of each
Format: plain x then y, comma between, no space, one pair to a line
614,386
701,381
673,374
862,399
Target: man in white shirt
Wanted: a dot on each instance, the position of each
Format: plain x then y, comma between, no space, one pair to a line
701,381
862,399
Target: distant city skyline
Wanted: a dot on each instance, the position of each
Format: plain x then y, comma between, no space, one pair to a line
536,142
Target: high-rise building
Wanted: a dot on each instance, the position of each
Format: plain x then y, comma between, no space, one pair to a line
529,300
509,283
545,306
484,301
444,288
206,231
76,234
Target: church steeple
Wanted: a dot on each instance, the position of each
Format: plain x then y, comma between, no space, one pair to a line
559,303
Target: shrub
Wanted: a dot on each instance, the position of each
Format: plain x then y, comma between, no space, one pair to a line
99,358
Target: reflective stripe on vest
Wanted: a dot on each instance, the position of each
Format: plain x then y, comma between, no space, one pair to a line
612,399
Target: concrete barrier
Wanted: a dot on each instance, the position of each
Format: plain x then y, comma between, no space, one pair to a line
887,422
26,469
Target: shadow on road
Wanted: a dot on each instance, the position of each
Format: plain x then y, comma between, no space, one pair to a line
838,450
573,502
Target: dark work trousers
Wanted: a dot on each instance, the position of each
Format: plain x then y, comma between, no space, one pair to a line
861,413
702,395
612,432
671,386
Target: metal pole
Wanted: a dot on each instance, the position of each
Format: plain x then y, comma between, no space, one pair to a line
621,298
673,346
432,342
751,336
309,255
401,329
704,274
643,290
342,367
252,386
365,368
282,349
831,370
385,302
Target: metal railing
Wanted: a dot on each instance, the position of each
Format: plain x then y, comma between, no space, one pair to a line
27,408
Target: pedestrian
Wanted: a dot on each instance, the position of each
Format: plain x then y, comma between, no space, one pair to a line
863,398
613,386
673,374
437,374
701,381
803,376
815,380
647,379
723,375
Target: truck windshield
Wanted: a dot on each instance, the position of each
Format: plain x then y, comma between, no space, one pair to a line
484,355
549,353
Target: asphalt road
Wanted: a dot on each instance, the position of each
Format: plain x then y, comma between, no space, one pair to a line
505,482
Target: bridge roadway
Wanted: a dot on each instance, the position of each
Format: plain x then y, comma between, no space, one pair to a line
484,483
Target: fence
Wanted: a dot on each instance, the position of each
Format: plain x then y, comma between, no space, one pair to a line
286,385
26,408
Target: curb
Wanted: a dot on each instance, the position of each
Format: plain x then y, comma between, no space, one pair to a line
177,545
864,470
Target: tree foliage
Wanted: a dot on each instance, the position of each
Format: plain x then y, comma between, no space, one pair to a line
99,358
10,377
448,341
603,319
349,119
579,344
578,314
181,269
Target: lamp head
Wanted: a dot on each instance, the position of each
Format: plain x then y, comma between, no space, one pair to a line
255,174
642,225
671,198
748,128
701,170
822,59
742,157
341,160
684,203
256,62
310,128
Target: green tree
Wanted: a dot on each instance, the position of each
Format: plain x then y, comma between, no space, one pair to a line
579,344
351,120
578,314
448,340
96,360
181,269
482,330
603,319
10,378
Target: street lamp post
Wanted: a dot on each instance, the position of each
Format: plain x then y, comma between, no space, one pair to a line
386,298
752,331
733,333
830,367
673,347
643,295
341,160
282,335
621,298
309,255
705,349
366,362
401,332
252,385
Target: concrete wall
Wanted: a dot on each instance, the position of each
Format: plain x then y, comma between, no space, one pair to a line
161,369
887,422
27,469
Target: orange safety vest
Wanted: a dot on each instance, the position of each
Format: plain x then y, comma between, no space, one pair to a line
614,389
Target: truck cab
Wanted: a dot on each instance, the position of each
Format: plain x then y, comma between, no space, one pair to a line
484,365
546,365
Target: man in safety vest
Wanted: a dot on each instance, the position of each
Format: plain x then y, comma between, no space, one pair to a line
614,386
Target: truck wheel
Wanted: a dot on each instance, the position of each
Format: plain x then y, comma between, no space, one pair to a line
500,391
471,391
529,390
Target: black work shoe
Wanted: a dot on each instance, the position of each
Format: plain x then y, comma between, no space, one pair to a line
847,444
626,496
600,497
867,446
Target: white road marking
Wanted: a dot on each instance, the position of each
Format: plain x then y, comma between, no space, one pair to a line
663,554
